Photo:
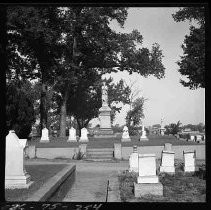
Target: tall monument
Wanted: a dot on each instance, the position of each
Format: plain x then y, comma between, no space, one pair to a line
105,116
162,129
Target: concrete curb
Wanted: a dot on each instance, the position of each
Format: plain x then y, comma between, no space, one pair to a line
114,192
46,191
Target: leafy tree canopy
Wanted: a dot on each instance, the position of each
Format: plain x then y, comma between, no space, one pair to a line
192,63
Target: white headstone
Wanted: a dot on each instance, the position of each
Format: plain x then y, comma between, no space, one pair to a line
198,138
84,133
143,135
125,134
45,135
167,162
147,169
192,137
72,134
189,161
15,173
133,160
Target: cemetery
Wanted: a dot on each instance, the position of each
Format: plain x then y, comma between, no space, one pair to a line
151,164
75,133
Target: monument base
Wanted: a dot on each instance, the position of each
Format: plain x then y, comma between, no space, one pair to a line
125,139
148,189
72,140
189,169
105,133
143,139
83,140
147,179
19,182
167,169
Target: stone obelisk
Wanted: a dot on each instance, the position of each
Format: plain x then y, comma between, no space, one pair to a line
105,116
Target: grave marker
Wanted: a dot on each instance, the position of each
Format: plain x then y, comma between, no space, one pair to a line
84,133
15,173
45,136
125,135
147,181
72,135
133,160
189,161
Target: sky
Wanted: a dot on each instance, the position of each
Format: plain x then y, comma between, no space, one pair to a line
167,98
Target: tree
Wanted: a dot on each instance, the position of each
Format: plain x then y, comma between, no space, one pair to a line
133,117
19,108
84,104
33,34
192,63
173,128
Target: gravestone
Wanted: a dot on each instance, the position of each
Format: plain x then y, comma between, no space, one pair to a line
167,162
117,151
84,135
147,181
72,135
82,149
105,116
192,137
198,138
143,135
189,161
15,173
45,136
133,160
168,147
125,135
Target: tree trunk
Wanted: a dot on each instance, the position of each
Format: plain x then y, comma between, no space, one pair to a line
79,126
63,115
43,108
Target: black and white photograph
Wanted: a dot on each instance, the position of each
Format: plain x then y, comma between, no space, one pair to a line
105,104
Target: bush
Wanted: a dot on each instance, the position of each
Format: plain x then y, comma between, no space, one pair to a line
19,111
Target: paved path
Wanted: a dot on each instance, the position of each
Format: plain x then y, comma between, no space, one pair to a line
91,179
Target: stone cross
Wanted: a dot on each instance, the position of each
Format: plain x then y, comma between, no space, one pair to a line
15,173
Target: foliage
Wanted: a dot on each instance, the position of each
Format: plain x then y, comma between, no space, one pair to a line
192,63
117,129
173,128
19,108
199,127
133,117
78,156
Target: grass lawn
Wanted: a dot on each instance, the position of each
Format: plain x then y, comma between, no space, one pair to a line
154,140
39,174
178,188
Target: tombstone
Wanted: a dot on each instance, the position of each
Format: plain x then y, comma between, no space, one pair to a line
84,133
168,147
147,181
82,149
72,135
192,137
167,162
15,173
45,136
117,151
143,135
198,138
133,160
125,135
189,161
